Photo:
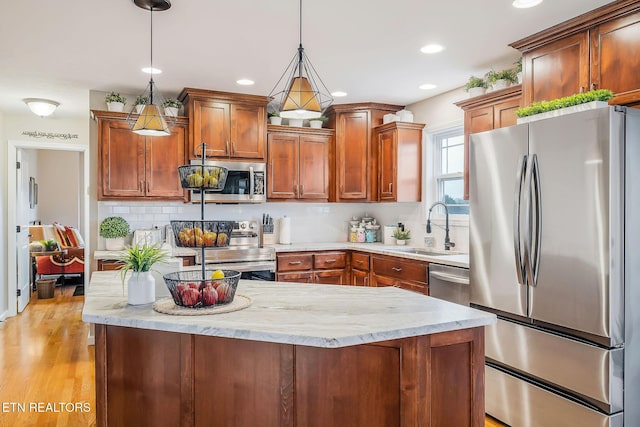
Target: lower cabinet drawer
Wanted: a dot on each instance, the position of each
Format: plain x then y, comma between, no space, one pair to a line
306,277
360,261
330,260
403,270
330,277
109,265
295,262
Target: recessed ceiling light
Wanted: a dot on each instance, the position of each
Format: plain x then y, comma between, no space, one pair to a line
432,48
427,86
151,70
523,4
245,82
338,94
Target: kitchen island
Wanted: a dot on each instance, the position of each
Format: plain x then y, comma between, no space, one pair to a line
299,355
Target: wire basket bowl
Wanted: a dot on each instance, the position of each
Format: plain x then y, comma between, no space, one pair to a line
199,234
190,289
199,177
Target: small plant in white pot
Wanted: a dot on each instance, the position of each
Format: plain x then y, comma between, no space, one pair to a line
475,86
115,101
274,118
114,229
401,236
141,287
501,79
141,101
171,107
317,123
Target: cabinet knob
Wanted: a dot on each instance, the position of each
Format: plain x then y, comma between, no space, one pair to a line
581,89
593,86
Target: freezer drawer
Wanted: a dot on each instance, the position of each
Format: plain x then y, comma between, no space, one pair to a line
594,373
522,404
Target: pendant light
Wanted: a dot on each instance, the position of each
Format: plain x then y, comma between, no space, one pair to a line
300,93
151,121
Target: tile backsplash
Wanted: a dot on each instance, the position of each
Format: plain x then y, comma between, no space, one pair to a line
310,222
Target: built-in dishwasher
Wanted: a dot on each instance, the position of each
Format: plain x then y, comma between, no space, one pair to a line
449,283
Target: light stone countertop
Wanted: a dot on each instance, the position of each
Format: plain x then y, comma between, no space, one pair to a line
327,316
455,259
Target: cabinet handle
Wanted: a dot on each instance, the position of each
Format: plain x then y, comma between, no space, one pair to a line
581,89
301,191
295,262
366,280
593,86
359,261
233,147
147,186
330,261
390,186
295,188
396,269
140,186
227,146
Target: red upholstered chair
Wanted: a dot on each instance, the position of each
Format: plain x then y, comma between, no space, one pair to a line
71,261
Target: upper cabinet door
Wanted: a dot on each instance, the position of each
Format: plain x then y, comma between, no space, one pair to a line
314,167
121,166
615,58
352,155
282,182
211,126
163,156
387,165
557,69
248,131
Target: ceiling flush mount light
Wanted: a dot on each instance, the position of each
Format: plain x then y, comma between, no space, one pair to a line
427,86
245,82
150,121
338,94
300,93
41,107
523,4
432,48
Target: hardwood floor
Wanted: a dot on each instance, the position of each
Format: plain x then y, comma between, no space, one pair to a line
46,366
45,360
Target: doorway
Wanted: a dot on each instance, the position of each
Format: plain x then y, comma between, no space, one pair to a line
15,217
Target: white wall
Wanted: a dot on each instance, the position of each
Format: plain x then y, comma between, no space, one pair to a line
3,224
28,169
58,187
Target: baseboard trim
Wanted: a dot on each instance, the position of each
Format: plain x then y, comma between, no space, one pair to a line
4,316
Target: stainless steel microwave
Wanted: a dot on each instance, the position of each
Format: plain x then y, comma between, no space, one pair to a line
246,183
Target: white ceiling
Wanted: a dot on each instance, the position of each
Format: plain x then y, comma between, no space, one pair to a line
369,48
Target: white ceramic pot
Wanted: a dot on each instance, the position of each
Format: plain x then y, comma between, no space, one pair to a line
141,288
116,244
275,120
115,106
401,242
295,122
139,108
520,77
500,84
316,124
476,91
171,111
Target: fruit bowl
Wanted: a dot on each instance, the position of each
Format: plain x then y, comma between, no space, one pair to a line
198,177
189,289
198,234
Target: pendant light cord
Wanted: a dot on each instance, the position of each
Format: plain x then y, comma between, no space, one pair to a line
300,48
151,65
300,23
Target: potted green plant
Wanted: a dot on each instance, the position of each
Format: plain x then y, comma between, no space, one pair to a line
171,107
115,101
401,236
141,101
317,122
274,117
50,245
114,229
139,259
475,86
501,79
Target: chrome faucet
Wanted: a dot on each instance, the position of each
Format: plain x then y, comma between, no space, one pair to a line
448,244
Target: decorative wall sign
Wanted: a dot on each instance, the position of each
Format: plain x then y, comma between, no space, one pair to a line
50,135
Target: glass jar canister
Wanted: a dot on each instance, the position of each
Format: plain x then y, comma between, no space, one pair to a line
353,235
370,235
360,237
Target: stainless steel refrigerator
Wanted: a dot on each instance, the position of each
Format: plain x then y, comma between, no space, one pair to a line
554,232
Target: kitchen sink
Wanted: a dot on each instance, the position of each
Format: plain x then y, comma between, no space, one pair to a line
426,252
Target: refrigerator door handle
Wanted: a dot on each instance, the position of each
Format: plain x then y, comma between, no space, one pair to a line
537,223
528,214
520,175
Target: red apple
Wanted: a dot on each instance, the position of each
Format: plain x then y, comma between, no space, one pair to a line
210,295
224,291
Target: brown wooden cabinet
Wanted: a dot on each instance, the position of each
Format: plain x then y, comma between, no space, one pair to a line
298,163
486,112
399,161
596,50
355,168
109,264
135,166
234,126
327,267
360,269
402,273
